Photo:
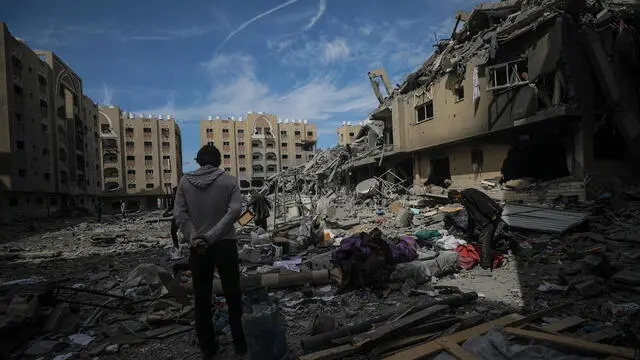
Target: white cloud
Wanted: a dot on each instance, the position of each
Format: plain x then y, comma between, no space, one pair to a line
107,94
335,50
322,7
237,89
279,45
366,29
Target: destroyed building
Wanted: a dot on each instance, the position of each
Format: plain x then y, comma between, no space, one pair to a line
260,145
49,157
522,89
141,156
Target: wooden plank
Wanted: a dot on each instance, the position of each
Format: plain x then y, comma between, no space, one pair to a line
393,327
580,344
330,354
604,334
456,350
432,347
564,324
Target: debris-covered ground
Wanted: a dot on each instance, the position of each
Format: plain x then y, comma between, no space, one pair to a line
135,308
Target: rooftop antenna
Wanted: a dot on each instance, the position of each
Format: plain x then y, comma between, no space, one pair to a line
210,117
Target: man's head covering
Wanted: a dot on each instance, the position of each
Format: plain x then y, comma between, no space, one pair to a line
209,155
453,194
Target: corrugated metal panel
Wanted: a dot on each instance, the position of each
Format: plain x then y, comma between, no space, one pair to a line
541,219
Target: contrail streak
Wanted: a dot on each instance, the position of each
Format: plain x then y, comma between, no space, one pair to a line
252,20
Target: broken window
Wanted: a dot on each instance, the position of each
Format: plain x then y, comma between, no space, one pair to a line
458,92
424,112
309,133
508,74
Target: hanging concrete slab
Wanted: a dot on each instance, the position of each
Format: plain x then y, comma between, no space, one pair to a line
541,219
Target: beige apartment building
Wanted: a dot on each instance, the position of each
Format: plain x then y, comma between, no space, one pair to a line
347,132
48,134
141,158
260,145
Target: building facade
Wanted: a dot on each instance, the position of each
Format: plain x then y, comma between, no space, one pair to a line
512,107
48,134
347,132
260,145
141,157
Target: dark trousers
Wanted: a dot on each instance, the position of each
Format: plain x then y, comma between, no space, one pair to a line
174,233
261,223
486,239
222,256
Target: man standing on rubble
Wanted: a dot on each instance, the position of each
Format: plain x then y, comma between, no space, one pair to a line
484,215
174,224
123,208
207,204
260,206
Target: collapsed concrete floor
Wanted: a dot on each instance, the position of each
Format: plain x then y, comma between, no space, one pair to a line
592,268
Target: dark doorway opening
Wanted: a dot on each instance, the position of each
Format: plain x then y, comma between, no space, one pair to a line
543,159
440,171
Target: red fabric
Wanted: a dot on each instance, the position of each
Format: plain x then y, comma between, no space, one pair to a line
469,256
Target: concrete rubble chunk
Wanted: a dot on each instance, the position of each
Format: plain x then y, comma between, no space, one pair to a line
627,277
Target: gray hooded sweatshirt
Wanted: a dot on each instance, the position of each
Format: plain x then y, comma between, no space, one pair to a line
207,204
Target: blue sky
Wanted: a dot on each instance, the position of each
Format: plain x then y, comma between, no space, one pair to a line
300,59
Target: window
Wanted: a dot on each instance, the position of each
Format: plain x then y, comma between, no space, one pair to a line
285,168
256,156
53,201
20,144
283,132
351,134
241,156
17,89
148,158
227,156
310,156
225,143
148,144
243,169
168,185
45,152
128,131
47,176
167,171
309,133
166,157
241,143
225,131
458,92
22,173
298,156
424,112
507,74
130,144
210,143
209,131
131,158
147,130
64,177
285,156
131,186
284,144
227,169
39,201
150,186
297,132
240,132
131,172
149,171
